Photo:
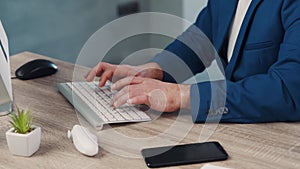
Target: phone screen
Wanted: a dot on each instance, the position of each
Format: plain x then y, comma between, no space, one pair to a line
184,154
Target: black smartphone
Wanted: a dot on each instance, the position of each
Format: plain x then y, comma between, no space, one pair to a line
184,154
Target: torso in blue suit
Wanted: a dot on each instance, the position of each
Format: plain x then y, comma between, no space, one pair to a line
262,77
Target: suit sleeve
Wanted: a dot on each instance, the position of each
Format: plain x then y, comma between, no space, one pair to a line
185,56
270,97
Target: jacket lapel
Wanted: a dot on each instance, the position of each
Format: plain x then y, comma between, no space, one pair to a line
240,38
225,17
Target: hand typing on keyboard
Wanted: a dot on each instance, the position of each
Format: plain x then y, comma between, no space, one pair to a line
142,85
161,96
114,73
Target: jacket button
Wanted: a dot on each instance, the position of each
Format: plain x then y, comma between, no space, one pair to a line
225,110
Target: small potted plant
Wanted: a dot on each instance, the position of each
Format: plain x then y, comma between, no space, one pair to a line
23,138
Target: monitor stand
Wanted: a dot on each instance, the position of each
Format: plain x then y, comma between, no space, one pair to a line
6,108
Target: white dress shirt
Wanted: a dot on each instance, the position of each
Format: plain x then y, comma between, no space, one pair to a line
240,13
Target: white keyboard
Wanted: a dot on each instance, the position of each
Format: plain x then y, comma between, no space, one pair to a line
99,101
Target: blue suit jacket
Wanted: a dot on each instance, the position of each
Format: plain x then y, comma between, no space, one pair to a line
262,78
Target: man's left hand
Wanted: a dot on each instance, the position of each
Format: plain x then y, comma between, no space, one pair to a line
158,95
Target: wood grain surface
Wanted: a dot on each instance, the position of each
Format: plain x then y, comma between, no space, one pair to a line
250,146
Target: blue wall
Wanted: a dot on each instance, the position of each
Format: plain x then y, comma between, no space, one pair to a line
56,28
59,28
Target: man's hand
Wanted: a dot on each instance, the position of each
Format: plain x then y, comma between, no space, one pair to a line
158,95
114,73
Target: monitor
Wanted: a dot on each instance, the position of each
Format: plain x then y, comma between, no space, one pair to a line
6,95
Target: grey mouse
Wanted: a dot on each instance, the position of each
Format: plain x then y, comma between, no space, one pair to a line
35,69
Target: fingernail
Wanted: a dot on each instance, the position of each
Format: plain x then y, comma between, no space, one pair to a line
129,101
115,104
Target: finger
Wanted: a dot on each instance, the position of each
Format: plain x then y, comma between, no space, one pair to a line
90,75
105,76
143,99
121,101
95,71
126,81
122,92
127,93
87,74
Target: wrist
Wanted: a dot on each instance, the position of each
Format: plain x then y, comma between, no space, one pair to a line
185,96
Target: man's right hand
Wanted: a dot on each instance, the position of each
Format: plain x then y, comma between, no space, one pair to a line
114,73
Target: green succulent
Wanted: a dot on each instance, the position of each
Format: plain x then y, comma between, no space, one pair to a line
21,121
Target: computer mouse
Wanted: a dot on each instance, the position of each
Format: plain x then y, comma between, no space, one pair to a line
84,141
35,69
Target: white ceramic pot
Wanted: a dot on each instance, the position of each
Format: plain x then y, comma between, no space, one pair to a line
24,144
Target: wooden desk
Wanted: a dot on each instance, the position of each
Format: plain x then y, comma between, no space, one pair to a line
255,146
